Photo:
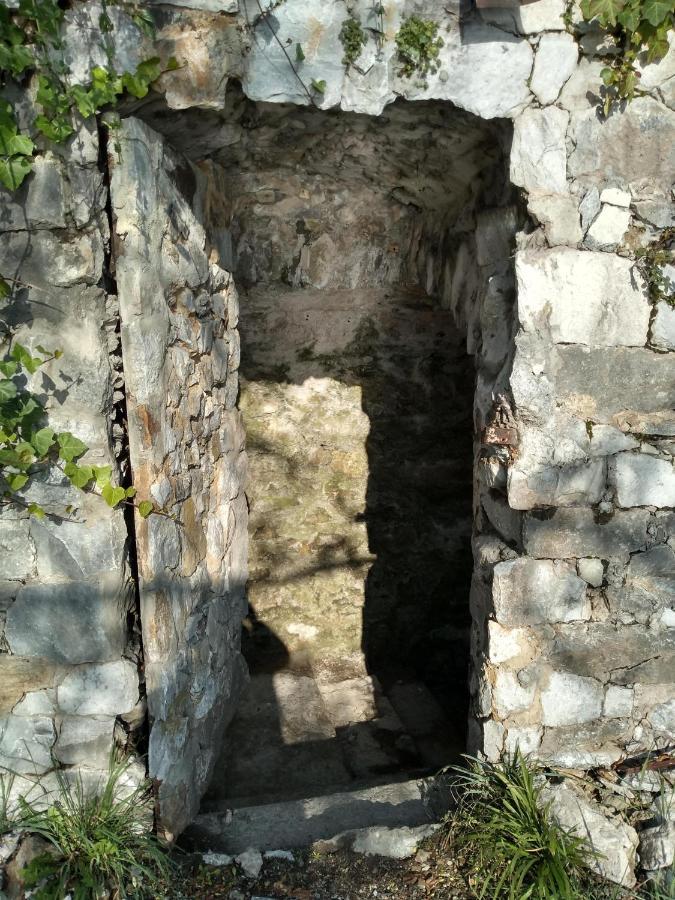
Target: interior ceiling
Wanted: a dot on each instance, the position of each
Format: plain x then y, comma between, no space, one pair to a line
428,153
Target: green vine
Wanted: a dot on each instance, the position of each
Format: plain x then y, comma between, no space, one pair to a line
31,43
636,27
418,47
353,38
651,261
29,448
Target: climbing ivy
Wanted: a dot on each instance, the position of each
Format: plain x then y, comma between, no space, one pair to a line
418,46
28,447
31,43
353,38
652,260
31,46
638,28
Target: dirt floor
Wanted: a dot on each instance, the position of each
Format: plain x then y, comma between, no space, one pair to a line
431,874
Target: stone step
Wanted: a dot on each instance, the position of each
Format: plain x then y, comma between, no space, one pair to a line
300,823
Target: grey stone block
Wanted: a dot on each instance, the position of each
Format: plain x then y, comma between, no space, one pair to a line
109,689
72,622
581,532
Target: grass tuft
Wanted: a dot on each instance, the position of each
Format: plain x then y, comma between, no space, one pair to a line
101,843
517,850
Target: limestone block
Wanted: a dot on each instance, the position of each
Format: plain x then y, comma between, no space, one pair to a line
663,327
35,703
608,228
616,197
26,744
45,258
559,215
624,386
614,841
109,689
662,719
594,299
494,233
554,63
643,480
530,591
625,654
509,695
16,548
20,675
618,702
546,15
589,208
591,570
538,155
570,700
506,644
526,739
582,90
532,484
585,746
71,622
657,846
506,521
39,202
635,145
577,533
468,61
84,49
85,740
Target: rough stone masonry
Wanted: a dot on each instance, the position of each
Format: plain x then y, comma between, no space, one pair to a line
573,597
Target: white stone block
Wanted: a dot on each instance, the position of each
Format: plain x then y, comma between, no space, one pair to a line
616,197
571,699
559,214
535,591
591,570
608,228
109,689
533,18
507,643
526,739
595,299
554,63
509,695
643,480
538,154
663,327
618,702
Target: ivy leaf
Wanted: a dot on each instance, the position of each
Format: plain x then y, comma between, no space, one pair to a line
299,53
605,11
79,476
5,289
70,447
319,86
36,511
145,507
655,11
102,475
7,390
131,492
16,482
172,64
113,495
57,129
13,171
25,452
9,367
26,359
42,441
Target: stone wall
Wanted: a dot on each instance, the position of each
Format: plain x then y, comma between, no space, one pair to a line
69,662
180,343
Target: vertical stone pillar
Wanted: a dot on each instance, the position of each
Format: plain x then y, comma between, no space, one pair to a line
181,355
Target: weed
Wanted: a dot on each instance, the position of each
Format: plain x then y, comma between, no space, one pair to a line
101,842
517,849
352,38
418,47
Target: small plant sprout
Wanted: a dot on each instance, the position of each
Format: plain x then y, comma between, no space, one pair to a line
418,46
353,38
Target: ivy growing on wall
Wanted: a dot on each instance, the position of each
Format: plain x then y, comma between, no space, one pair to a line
32,50
31,44
418,46
639,31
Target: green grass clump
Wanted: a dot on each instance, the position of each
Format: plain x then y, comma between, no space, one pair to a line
517,850
101,845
